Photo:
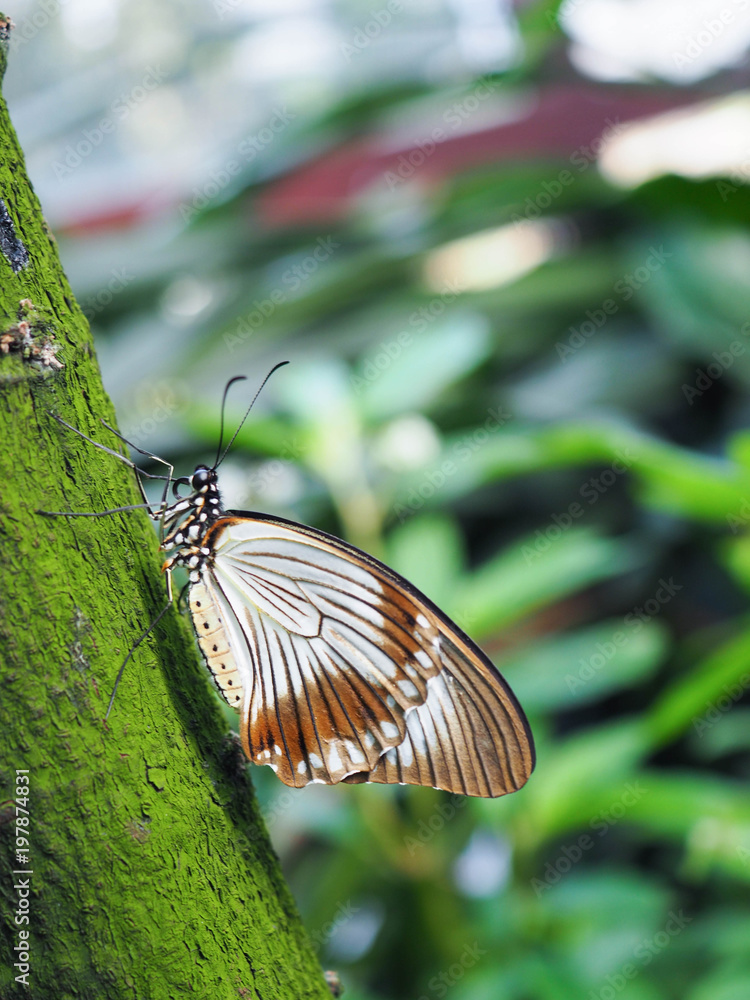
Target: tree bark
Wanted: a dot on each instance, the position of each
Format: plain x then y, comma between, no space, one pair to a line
151,872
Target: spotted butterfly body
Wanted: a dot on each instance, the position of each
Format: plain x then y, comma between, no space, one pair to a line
340,669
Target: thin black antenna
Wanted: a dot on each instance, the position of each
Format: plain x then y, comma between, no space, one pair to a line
247,412
227,387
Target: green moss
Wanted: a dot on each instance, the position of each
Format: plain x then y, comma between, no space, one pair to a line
153,875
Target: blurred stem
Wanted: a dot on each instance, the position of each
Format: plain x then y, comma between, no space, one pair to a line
337,455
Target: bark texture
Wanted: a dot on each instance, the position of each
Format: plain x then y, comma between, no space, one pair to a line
153,875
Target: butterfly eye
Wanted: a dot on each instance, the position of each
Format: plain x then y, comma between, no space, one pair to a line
201,477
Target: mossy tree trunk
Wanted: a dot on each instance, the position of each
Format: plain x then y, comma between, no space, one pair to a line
152,873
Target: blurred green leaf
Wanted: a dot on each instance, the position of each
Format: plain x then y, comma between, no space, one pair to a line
409,372
709,814
609,909
723,984
522,579
704,695
428,551
700,301
586,665
588,781
731,736
667,478
735,552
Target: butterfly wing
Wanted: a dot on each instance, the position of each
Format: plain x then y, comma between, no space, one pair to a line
347,672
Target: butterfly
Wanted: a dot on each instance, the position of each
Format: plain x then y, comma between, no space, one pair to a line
340,669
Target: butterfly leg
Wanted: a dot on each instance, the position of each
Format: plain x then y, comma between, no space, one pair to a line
140,639
154,515
102,513
109,451
146,454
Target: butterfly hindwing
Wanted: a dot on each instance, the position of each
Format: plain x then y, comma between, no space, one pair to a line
462,739
349,673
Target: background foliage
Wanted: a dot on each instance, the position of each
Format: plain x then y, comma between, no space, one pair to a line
519,375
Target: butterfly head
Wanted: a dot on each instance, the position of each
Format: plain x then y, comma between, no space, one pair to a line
204,503
203,479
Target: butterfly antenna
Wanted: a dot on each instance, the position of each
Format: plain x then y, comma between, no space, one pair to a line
227,387
247,412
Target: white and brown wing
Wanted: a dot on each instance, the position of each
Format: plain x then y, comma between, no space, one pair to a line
344,671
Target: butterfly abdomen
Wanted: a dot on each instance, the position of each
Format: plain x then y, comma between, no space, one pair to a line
212,639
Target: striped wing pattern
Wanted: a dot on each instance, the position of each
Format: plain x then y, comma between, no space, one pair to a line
347,673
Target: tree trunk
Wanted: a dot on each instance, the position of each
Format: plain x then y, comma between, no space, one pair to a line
149,872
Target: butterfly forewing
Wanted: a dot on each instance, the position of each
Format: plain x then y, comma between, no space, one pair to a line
349,673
